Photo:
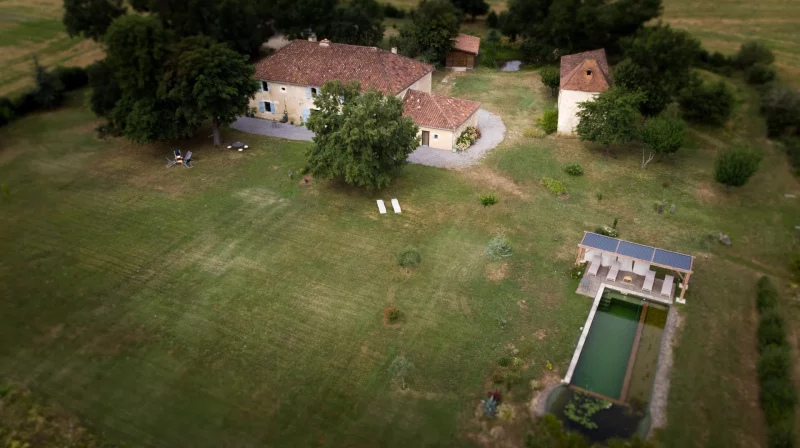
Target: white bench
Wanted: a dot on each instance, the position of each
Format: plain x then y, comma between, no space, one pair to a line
613,271
649,279
666,288
595,265
396,205
381,207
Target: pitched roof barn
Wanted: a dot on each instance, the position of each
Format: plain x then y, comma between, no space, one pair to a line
314,63
437,111
467,43
585,72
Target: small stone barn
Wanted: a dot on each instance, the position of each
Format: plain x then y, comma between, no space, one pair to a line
464,53
583,77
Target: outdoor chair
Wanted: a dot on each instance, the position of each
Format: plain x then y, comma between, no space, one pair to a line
649,279
613,271
171,162
187,161
666,288
595,265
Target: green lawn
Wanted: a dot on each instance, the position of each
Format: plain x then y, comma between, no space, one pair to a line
229,305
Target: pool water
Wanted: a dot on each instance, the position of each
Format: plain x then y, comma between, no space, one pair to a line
608,354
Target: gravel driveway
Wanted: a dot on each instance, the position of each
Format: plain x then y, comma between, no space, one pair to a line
492,129
272,128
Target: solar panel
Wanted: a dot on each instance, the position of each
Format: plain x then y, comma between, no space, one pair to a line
638,251
673,259
635,250
601,242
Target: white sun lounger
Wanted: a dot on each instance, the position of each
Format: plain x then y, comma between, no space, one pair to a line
666,288
396,205
649,278
381,207
595,265
613,271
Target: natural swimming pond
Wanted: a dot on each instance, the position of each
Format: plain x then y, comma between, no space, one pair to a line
615,368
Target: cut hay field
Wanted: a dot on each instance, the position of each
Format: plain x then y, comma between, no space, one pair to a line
34,28
230,305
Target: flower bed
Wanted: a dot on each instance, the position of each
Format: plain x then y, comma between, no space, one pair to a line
467,138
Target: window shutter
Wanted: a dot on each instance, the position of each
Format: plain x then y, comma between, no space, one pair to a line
261,86
308,92
261,107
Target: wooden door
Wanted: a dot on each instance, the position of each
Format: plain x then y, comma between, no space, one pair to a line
426,136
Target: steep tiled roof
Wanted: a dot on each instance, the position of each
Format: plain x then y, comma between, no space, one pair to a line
587,71
436,111
314,63
467,43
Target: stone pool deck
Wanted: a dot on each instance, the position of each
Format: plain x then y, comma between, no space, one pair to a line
590,284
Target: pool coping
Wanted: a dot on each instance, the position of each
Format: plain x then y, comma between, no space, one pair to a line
588,325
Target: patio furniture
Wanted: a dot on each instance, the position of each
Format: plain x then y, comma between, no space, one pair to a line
187,162
612,273
595,265
381,207
176,154
627,279
396,205
649,279
666,288
238,146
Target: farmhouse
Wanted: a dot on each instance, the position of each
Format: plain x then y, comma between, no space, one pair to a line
292,77
583,76
465,51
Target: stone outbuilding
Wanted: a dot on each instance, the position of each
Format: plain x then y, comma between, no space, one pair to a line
583,77
441,119
464,53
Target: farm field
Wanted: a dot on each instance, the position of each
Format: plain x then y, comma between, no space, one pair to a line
231,305
34,28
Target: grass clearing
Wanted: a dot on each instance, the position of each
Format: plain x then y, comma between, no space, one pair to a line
233,301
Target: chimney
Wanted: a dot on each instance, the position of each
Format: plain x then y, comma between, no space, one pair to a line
394,50
324,43
312,37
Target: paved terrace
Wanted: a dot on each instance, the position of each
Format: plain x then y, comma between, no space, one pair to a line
590,284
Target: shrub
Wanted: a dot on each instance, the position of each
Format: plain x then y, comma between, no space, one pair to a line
792,146
490,407
548,122
534,132
393,12
408,256
782,434
781,108
771,330
467,138
794,266
504,361
488,199
491,19
775,362
607,231
72,77
499,248
553,186
6,110
767,295
777,399
577,270
391,314
599,196
49,91
709,103
753,52
760,74
735,166
574,169
505,412
551,77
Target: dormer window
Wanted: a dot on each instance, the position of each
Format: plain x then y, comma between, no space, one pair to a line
588,73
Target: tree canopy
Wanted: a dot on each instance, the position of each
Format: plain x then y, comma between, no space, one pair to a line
472,8
735,166
657,62
551,77
709,103
91,18
611,118
558,27
429,36
356,22
361,138
661,135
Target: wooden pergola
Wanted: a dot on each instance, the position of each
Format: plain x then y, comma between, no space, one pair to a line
680,263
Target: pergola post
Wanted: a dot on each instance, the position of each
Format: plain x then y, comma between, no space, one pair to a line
685,286
581,253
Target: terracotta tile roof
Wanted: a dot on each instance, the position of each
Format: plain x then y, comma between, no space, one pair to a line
312,64
436,111
587,71
467,43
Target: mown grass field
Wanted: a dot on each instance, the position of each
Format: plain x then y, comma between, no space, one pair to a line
229,305
34,28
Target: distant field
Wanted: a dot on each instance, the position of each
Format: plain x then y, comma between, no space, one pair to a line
34,28
723,25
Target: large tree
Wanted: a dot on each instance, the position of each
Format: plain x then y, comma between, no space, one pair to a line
473,8
661,135
296,18
356,22
429,36
611,118
362,138
91,18
213,83
657,62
